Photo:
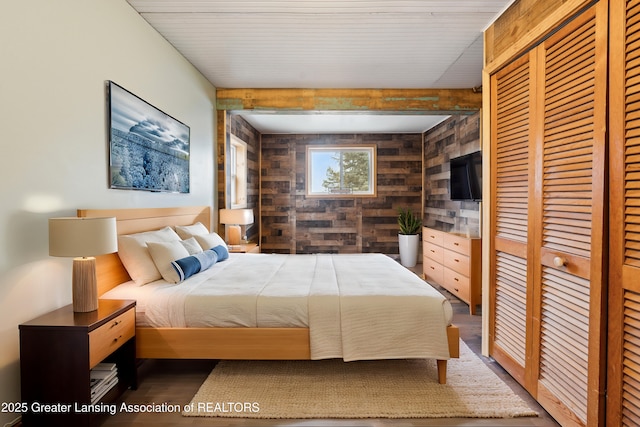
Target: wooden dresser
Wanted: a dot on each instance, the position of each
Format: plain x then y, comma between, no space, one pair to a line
455,263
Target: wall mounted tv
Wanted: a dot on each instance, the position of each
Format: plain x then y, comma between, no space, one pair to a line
466,177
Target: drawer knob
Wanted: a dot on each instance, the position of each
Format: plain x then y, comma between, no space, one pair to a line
456,289
116,323
433,268
117,338
456,244
456,279
456,260
559,262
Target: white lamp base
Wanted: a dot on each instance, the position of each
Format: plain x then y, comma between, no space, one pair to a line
85,285
233,234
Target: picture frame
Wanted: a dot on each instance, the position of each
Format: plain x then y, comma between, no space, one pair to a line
148,149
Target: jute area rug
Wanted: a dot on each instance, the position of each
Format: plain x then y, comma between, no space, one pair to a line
364,389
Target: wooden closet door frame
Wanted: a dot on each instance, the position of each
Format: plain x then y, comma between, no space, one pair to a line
622,277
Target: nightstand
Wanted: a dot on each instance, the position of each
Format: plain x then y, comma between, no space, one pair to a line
58,351
245,248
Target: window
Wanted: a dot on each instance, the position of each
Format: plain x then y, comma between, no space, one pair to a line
238,173
340,170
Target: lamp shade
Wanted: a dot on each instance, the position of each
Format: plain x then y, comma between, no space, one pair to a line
82,237
236,216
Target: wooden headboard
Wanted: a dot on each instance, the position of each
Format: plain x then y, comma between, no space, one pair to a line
109,270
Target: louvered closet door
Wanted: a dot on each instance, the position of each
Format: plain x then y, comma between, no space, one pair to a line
623,402
511,138
548,145
571,210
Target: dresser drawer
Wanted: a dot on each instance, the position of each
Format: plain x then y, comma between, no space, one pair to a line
457,262
110,336
433,271
457,284
432,236
457,243
434,252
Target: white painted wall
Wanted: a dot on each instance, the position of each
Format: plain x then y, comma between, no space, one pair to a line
55,57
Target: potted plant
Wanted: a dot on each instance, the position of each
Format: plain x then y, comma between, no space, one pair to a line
408,238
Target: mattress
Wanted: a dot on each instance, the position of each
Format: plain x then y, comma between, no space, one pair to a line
361,306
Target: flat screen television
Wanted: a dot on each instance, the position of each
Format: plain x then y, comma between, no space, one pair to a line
466,177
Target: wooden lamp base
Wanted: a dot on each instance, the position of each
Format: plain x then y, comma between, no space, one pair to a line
85,285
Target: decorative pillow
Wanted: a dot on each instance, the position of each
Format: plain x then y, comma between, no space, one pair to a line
134,254
191,245
210,240
163,254
221,251
191,265
187,231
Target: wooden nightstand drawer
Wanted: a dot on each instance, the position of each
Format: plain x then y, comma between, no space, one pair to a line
109,337
456,262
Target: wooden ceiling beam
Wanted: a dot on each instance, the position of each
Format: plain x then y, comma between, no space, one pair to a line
451,101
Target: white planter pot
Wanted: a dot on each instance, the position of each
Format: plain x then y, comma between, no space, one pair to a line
409,244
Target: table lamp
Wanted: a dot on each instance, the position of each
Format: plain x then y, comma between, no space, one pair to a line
234,219
83,239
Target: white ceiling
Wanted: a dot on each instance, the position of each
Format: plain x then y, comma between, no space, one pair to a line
328,44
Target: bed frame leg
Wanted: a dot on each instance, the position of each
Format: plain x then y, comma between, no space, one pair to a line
442,371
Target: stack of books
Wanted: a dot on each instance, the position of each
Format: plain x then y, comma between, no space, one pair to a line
103,378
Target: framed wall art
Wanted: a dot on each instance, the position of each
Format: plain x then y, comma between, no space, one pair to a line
148,149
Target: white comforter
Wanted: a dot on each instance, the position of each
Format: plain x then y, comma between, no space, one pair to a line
357,307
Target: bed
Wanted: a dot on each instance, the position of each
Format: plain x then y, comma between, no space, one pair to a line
266,337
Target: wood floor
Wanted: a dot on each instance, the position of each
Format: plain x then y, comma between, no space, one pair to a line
176,381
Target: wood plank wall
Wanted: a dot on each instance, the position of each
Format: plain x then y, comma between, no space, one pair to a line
236,125
295,223
456,136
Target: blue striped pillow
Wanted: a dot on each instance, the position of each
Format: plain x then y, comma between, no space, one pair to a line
194,264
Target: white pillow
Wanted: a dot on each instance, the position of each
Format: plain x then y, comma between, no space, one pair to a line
134,254
210,240
187,231
191,245
163,254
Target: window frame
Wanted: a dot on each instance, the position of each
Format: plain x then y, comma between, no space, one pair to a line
370,149
238,173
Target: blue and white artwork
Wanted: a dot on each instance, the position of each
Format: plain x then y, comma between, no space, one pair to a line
149,150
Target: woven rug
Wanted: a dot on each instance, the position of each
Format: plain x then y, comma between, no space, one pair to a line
364,389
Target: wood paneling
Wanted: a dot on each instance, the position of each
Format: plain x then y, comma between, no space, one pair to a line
522,25
295,223
239,127
456,136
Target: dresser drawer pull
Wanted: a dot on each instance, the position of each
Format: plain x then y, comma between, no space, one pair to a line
456,244
432,268
115,340
456,289
116,323
456,279
456,260
432,251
